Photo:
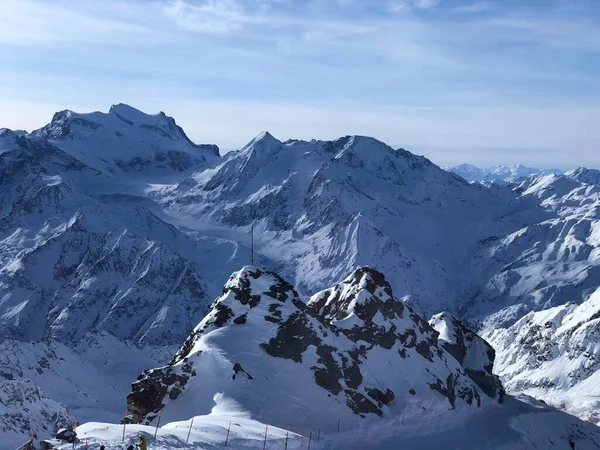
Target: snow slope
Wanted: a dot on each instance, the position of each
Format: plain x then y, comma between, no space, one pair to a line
584,175
521,423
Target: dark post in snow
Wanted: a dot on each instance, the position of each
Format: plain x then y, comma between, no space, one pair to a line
157,424
227,437
309,439
266,431
339,418
286,439
252,244
190,430
319,434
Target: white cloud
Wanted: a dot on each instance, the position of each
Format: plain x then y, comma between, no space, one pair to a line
407,5
209,16
476,7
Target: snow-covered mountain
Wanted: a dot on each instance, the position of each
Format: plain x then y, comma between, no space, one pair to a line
351,352
116,223
499,174
353,363
554,355
584,175
126,140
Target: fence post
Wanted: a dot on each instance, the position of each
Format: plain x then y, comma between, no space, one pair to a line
266,431
74,430
286,438
124,423
190,430
319,434
157,424
309,439
338,428
227,437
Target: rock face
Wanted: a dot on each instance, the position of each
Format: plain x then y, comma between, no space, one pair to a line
471,351
585,175
351,352
25,408
554,355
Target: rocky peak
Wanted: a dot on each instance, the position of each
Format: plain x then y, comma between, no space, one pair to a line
363,294
470,350
585,175
354,350
263,146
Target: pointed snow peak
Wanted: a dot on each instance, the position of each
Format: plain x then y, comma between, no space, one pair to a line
6,133
369,279
263,146
264,140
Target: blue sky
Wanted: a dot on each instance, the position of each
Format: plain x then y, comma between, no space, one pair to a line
485,82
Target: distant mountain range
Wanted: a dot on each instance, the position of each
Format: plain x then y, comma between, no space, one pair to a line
499,174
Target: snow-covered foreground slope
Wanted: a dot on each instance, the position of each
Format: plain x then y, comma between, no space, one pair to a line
519,424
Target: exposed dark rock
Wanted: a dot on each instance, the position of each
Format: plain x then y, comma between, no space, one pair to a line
237,369
471,351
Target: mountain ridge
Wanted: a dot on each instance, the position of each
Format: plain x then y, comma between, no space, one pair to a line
94,244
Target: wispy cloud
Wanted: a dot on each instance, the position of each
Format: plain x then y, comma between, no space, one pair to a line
408,5
476,7
211,16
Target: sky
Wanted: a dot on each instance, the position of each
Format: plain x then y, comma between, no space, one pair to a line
478,81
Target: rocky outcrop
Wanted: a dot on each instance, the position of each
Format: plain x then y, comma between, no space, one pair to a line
355,347
474,354
25,408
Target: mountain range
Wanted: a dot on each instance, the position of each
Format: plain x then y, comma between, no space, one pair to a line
118,232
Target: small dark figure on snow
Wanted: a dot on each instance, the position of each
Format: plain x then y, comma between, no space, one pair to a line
102,447
130,447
